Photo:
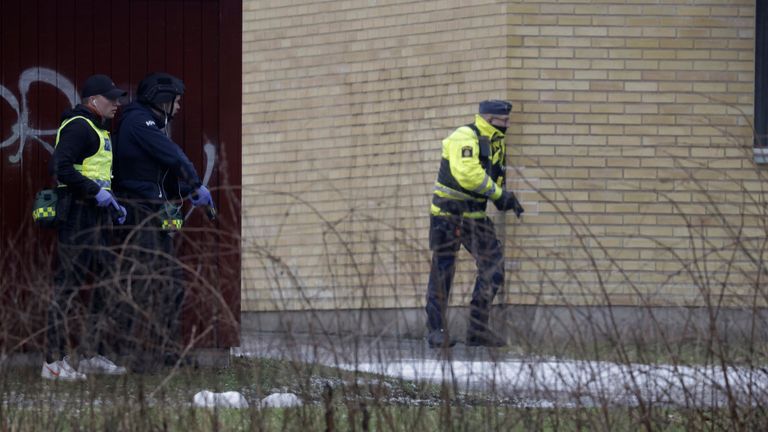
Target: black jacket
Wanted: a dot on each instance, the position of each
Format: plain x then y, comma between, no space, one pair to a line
77,141
147,164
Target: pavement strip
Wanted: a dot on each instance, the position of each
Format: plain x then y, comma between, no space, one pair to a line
535,381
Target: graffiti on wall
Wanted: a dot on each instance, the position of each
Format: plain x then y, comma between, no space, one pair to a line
210,161
22,131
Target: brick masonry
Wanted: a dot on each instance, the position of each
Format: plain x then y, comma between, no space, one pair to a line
630,148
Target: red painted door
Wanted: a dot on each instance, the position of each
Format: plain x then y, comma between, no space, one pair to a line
48,48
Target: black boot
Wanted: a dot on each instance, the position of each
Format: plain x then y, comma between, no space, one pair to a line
485,338
440,339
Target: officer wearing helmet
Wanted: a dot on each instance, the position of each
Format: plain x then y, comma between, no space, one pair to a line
149,164
154,177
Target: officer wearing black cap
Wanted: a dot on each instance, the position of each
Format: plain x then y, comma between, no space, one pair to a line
154,177
82,164
471,173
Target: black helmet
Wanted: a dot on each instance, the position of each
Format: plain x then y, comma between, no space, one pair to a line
159,87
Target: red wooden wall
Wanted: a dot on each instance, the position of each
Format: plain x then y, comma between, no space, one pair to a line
47,49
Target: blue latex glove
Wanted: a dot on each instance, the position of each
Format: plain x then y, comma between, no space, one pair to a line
123,214
202,197
104,198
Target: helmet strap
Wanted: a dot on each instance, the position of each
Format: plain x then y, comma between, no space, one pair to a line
168,114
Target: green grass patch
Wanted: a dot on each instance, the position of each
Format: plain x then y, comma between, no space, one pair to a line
334,399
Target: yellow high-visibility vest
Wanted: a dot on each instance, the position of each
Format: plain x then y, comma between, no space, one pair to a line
97,167
469,174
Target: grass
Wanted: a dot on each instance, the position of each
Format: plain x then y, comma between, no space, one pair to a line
162,401
333,400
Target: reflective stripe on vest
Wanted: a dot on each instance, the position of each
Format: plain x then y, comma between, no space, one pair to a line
97,167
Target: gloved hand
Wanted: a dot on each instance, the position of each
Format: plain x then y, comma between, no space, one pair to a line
104,198
508,201
123,214
202,197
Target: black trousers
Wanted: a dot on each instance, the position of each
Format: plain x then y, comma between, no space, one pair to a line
446,235
85,262
153,280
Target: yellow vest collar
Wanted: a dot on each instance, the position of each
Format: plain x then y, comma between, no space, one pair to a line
486,128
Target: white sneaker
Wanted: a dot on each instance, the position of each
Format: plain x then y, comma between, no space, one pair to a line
100,365
60,370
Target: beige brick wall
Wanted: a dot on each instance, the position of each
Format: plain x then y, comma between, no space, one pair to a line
630,148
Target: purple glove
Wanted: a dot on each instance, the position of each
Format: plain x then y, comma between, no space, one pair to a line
202,197
104,198
123,214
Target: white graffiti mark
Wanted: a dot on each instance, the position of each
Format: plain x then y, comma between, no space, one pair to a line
22,130
210,160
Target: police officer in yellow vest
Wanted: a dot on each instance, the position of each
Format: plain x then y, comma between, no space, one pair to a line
471,173
82,161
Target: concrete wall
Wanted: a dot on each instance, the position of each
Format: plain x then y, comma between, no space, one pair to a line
630,148
570,328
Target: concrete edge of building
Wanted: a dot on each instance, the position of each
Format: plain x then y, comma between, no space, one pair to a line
533,324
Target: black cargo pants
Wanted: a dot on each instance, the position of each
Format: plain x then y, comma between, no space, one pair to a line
446,235
85,262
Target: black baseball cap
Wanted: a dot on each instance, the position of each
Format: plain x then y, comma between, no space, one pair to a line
101,85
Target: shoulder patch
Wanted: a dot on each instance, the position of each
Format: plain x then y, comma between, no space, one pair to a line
466,151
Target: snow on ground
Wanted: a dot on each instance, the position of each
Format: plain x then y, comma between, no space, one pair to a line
281,400
586,382
534,381
209,399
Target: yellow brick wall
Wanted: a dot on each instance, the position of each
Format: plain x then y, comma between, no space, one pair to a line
631,148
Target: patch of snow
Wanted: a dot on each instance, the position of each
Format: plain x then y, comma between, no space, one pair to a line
523,379
209,399
585,380
281,400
